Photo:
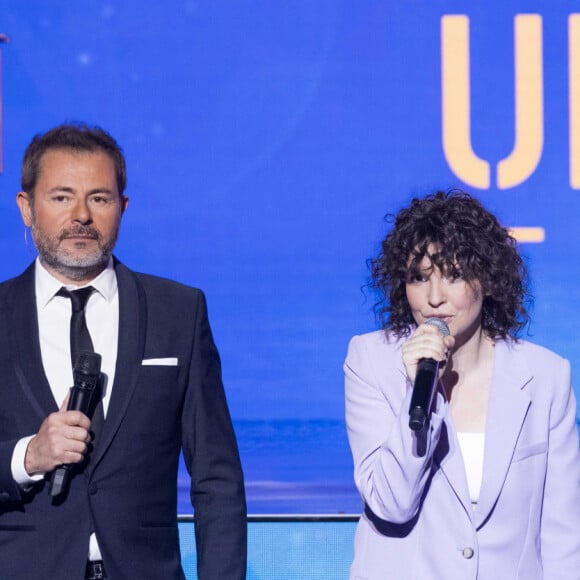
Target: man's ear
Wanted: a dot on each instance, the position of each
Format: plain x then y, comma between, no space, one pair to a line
25,206
124,203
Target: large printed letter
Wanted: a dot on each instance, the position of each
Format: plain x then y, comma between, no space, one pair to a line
574,97
1,132
457,102
3,38
529,103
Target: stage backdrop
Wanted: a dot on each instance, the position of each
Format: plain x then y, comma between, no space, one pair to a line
265,142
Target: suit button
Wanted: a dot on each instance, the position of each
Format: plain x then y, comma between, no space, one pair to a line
467,553
93,488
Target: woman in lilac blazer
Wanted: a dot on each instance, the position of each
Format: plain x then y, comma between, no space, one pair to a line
489,488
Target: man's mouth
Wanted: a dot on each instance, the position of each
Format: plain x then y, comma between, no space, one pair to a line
80,236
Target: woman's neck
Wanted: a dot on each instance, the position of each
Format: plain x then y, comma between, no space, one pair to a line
466,382
472,351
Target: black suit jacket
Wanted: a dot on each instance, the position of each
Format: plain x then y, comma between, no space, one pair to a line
128,490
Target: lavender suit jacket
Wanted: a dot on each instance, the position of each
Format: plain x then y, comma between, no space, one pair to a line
418,522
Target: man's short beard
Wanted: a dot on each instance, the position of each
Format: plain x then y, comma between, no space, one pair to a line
68,265
79,271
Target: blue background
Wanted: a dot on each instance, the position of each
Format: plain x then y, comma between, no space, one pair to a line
265,142
287,550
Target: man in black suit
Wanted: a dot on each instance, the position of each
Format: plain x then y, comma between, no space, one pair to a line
161,392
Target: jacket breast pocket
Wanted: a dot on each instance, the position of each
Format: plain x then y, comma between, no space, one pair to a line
156,401
162,380
526,451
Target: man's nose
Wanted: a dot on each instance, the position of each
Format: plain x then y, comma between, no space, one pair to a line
81,212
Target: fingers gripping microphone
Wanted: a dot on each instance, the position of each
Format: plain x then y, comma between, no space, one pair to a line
86,374
424,387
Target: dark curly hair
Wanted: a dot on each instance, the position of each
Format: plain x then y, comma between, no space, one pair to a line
471,242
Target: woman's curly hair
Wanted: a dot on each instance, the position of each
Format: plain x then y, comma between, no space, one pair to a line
471,242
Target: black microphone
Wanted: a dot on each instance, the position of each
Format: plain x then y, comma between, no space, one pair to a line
86,373
425,381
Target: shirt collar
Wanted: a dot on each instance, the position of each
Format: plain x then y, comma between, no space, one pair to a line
47,285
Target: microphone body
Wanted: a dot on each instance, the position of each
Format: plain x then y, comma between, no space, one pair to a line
86,373
424,386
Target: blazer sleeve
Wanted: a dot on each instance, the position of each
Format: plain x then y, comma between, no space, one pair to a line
391,462
9,489
211,455
560,529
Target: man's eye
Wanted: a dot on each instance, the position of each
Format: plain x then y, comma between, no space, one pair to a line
100,199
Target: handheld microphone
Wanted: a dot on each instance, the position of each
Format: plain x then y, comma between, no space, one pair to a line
86,373
424,387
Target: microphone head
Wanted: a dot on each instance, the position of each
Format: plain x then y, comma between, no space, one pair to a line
440,324
88,363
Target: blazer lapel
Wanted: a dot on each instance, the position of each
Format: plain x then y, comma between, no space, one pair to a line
132,330
23,326
452,464
508,405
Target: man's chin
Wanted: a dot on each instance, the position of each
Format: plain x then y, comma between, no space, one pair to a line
77,269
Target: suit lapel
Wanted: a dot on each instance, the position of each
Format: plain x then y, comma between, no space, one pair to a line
507,408
508,405
23,326
132,327
452,464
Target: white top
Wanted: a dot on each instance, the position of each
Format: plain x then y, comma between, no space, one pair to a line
472,446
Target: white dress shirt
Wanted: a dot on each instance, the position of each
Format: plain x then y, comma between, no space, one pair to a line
54,314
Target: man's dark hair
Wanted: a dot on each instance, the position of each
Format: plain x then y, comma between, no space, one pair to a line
470,242
77,137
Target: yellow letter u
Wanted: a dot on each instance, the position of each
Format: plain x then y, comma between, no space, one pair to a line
529,103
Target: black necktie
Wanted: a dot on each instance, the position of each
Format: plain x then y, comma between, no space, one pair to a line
80,340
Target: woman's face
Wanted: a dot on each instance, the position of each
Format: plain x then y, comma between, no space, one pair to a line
433,293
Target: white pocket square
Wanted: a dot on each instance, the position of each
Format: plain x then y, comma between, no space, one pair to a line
166,362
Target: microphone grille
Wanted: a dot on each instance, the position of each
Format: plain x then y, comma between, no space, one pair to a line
88,363
440,324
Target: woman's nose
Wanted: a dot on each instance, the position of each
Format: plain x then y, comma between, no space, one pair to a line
436,295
